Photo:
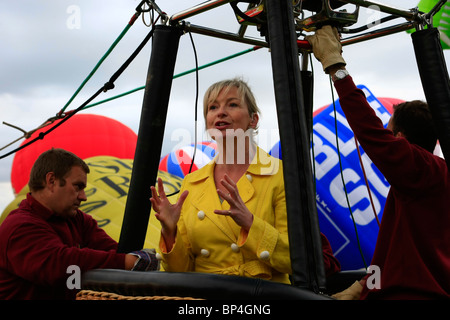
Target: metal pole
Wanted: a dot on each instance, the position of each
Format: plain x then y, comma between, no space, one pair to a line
202,7
378,33
304,235
150,137
224,35
407,14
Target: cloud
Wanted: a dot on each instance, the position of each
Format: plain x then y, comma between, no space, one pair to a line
49,47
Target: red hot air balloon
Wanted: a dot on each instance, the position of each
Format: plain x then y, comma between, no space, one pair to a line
86,135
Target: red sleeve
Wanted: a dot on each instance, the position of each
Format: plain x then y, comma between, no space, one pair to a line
400,162
93,236
37,253
331,264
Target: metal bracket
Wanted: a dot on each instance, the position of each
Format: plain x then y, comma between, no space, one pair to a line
328,15
428,17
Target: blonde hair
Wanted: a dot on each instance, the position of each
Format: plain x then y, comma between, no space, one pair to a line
244,91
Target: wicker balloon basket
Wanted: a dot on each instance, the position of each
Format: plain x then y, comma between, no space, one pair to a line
97,295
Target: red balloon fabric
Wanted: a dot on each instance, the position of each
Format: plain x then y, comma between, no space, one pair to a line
86,135
388,103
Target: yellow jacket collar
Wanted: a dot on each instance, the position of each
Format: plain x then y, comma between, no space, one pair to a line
262,164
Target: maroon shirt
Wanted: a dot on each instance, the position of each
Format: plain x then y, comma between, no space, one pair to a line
330,262
37,247
413,245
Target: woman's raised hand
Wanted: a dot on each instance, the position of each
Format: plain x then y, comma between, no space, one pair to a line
167,213
238,210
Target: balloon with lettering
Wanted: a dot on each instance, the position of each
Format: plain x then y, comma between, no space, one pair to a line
107,190
86,135
108,147
336,221
182,161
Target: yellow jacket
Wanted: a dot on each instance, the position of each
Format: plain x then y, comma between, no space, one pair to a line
211,243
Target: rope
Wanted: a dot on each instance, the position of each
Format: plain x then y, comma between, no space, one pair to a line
60,114
196,101
343,181
99,63
44,133
107,86
101,295
178,75
367,182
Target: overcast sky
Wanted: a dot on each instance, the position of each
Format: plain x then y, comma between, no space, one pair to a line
49,47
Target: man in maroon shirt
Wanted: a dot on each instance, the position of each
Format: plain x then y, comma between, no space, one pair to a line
47,239
412,253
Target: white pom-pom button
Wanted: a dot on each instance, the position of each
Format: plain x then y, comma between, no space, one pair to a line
201,215
264,255
234,247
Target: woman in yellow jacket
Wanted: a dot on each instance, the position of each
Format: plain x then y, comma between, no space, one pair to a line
230,217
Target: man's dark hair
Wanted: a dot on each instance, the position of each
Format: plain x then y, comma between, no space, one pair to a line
58,161
413,119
